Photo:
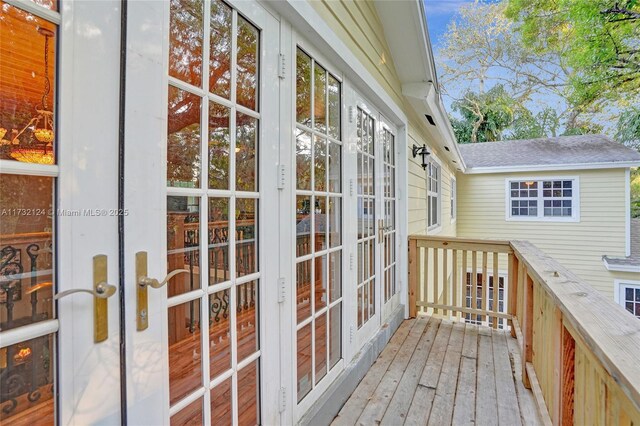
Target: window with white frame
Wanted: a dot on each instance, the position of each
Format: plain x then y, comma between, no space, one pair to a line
544,199
629,297
433,194
454,199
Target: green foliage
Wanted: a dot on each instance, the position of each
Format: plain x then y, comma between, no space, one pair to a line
600,40
635,193
628,129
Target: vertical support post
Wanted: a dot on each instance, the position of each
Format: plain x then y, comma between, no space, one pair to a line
513,289
435,279
474,283
454,283
496,290
413,276
527,328
445,282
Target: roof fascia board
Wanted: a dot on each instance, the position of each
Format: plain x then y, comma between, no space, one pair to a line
552,167
301,14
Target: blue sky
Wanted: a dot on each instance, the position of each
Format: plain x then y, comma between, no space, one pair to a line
439,13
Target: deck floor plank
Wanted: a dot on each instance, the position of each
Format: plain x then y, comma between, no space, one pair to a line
440,372
377,405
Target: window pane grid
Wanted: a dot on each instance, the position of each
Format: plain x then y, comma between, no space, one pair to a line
543,198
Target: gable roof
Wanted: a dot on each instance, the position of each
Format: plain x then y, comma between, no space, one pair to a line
565,152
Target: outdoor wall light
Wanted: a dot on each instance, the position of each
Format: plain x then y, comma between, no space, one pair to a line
423,152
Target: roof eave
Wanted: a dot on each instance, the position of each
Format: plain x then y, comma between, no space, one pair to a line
553,167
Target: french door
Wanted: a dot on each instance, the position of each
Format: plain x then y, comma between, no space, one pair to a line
376,244
200,186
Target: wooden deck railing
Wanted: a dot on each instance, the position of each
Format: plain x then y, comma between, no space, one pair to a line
580,350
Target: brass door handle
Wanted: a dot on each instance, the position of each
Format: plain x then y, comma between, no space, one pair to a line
101,290
154,283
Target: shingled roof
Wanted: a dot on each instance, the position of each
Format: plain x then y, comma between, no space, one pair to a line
549,152
629,263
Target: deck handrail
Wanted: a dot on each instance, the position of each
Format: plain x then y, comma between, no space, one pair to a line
580,350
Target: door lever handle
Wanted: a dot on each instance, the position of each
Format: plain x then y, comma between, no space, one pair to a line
102,291
154,283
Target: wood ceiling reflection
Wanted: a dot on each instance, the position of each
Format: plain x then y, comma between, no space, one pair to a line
22,62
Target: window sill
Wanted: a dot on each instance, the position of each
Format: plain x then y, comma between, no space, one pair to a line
543,219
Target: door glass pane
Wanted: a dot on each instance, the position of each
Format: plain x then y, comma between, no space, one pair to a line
334,160
303,88
221,413
320,163
26,380
303,160
218,240
246,153
247,65
27,89
249,394
304,361
303,225
246,236
320,100
184,350
219,142
185,41
320,279
191,415
303,290
321,347
220,51
219,333
334,107
26,250
335,273
183,243
335,335
183,139
247,319
320,223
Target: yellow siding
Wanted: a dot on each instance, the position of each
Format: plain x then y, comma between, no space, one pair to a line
357,24
578,246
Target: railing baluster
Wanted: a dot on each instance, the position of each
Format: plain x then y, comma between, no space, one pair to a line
496,290
474,283
454,282
435,279
445,282
464,281
484,289
512,291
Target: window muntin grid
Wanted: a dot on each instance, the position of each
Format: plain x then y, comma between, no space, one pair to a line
390,200
433,194
551,198
318,211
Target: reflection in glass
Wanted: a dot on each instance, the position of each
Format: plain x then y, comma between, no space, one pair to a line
220,53
303,160
303,290
335,213
26,250
246,236
247,64
335,336
246,153
303,88
26,381
320,219
320,163
304,361
334,161
320,278
334,107
27,86
185,40
218,240
191,415
219,333
219,141
321,347
221,410
303,225
335,276
319,100
183,240
247,319
249,394
183,139
184,350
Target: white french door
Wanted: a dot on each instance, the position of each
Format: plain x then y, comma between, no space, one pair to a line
200,151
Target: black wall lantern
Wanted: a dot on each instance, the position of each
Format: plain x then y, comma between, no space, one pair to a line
423,152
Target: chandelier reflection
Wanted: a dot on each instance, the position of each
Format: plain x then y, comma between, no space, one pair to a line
39,151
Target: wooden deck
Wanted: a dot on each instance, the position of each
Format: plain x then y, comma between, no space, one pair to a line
439,372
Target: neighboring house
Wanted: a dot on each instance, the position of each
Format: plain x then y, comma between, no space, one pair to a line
234,188
567,195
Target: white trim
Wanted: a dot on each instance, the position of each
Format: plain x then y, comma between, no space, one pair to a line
575,200
453,197
619,268
36,9
551,167
627,206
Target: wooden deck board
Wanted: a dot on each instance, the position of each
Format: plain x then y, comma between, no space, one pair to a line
439,372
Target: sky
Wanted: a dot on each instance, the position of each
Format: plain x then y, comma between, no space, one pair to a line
439,13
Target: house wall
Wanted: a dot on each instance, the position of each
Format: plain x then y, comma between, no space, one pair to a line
577,245
358,25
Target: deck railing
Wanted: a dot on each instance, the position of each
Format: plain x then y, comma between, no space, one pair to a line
580,350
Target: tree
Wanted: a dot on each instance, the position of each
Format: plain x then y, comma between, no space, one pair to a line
597,38
628,130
